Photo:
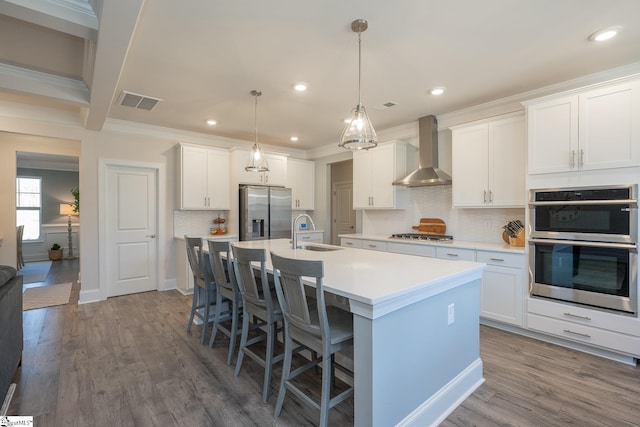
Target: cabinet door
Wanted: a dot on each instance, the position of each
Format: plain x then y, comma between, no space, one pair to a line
193,186
383,162
507,163
609,127
501,294
301,180
277,174
553,136
218,186
469,166
362,179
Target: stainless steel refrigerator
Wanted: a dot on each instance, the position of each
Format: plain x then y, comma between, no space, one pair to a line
265,212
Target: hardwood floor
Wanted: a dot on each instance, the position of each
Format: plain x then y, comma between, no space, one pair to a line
128,361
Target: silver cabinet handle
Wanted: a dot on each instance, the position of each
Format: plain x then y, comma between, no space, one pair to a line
577,316
490,196
581,159
496,259
348,243
373,246
569,331
484,196
306,237
153,236
453,255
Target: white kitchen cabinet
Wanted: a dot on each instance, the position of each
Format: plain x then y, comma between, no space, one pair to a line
587,130
310,236
350,243
373,174
301,180
488,163
203,175
374,245
455,253
501,289
598,328
410,249
277,174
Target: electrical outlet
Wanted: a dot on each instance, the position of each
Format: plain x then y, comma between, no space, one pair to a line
451,314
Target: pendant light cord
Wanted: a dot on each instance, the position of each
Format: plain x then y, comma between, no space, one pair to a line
256,119
359,68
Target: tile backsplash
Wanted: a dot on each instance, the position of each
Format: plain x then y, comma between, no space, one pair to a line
481,224
194,223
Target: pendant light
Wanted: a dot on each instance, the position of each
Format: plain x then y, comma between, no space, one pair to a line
257,162
358,134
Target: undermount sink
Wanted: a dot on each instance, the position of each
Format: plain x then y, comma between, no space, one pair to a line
320,248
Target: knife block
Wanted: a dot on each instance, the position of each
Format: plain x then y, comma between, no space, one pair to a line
517,241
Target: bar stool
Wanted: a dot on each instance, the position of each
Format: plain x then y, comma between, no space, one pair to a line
204,288
260,305
227,292
19,257
322,329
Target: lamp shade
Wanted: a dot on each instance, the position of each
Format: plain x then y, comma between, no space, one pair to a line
66,209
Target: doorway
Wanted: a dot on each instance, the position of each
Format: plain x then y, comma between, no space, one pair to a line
343,217
129,218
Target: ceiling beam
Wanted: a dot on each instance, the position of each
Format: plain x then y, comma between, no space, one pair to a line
75,17
118,21
62,89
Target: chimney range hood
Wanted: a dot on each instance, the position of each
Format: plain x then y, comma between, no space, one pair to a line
427,172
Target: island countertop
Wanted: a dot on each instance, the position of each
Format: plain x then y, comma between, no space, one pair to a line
377,283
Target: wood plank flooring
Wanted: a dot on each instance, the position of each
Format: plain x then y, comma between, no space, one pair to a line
128,361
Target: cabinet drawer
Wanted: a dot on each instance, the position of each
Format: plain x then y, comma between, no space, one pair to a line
503,259
585,334
350,243
374,245
409,249
456,254
584,316
310,237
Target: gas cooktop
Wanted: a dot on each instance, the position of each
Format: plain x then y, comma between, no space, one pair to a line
419,236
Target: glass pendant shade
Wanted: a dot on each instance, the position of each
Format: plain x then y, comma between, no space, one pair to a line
257,162
358,134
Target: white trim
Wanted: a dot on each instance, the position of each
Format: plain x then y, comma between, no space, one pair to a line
169,284
438,407
103,167
89,296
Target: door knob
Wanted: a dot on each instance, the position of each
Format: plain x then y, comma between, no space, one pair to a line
153,236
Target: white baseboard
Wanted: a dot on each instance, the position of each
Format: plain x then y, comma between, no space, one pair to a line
87,296
169,284
438,407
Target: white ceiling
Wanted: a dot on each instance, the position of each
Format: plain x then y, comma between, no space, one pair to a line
202,58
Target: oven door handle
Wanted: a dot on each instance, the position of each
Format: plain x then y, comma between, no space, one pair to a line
631,202
632,247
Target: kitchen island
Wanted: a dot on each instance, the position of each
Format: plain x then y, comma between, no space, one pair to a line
416,329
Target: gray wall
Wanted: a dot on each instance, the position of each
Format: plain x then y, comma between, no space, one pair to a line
56,189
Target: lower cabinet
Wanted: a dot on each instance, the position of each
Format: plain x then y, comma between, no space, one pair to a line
310,236
501,290
350,243
583,325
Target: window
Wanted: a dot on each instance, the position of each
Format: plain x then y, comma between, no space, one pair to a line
28,205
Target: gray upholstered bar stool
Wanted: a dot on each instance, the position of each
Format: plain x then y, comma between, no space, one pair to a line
259,306
204,288
322,329
228,298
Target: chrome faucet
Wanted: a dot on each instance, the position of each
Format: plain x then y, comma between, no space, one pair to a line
294,229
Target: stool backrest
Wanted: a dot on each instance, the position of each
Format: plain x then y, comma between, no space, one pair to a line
254,293
194,255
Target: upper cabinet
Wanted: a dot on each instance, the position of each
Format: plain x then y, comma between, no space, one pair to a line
488,163
277,174
301,180
373,174
203,175
590,130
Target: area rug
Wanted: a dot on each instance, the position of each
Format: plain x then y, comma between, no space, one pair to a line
46,296
34,272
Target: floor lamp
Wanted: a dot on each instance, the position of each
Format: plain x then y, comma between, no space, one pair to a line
67,209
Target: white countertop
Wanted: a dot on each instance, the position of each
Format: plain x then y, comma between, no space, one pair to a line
212,237
499,247
378,282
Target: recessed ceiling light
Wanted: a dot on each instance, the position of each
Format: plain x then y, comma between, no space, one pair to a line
605,34
293,139
437,91
300,87
211,122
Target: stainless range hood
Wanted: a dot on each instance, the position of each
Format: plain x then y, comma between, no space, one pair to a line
427,172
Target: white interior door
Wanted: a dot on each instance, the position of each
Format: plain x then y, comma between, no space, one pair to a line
344,217
131,229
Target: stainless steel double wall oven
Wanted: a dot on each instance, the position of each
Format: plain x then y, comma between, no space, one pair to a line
583,246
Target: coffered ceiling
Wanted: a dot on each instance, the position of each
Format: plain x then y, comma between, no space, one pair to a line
202,58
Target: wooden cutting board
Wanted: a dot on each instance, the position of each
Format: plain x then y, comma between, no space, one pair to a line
431,226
